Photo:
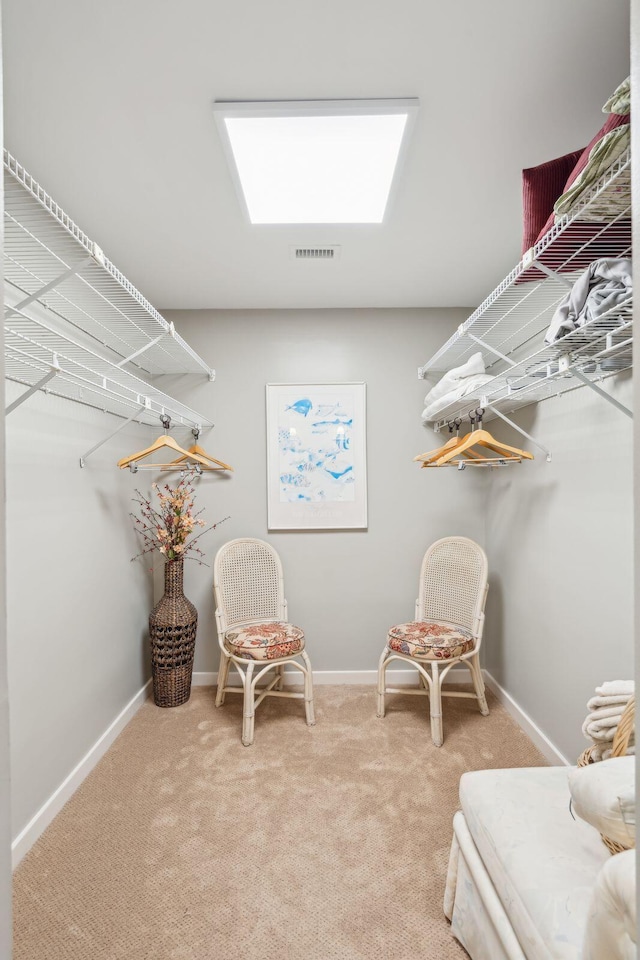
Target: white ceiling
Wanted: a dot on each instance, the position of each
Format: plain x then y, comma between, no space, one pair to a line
108,106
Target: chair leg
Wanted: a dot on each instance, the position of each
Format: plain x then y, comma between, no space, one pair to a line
478,684
248,710
382,682
280,672
435,704
308,691
223,674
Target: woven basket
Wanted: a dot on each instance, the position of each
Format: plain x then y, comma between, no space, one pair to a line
172,628
621,741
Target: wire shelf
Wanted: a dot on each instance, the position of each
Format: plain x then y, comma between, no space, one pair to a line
518,312
50,259
597,350
75,327
34,348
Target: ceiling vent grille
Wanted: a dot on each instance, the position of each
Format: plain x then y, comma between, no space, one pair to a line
315,253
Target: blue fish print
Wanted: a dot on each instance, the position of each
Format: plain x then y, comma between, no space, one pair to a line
339,473
325,409
301,406
333,423
293,480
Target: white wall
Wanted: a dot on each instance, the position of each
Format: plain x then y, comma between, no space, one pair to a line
558,535
5,768
560,544
344,588
77,607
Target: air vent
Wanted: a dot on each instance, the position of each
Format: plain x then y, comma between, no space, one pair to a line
315,253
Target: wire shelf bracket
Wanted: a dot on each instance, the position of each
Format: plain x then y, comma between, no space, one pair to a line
145,406
55,370
602,393
71,272
488,406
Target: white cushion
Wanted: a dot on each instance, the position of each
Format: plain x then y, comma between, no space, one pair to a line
604,795
611,925
543,863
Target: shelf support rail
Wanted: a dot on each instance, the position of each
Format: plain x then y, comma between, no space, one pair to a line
493,350
489,406
53,372
144,406
422,371
550,273
146,347
602,393
10,311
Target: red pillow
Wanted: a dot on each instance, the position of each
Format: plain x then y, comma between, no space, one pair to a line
613,120
541,187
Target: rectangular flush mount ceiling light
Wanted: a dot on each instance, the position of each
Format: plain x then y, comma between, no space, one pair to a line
315,161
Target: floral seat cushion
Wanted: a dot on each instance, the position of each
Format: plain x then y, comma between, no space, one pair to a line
265,641
430,640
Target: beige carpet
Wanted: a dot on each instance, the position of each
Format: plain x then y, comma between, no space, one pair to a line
313,844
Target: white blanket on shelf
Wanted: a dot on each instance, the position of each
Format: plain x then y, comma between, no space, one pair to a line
454,385
464,388
474,366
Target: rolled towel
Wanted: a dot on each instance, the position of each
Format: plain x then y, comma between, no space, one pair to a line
616,688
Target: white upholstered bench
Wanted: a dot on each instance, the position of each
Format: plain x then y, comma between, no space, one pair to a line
523,871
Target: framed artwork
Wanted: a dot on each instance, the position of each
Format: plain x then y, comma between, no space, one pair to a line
316,456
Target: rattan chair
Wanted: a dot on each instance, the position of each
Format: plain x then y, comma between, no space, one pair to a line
447,628
253,632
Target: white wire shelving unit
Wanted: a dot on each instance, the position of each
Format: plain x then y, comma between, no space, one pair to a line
510,325
75,327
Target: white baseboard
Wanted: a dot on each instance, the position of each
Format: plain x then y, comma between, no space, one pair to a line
548,749
38,823
338,677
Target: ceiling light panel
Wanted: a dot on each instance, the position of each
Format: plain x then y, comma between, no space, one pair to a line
315,161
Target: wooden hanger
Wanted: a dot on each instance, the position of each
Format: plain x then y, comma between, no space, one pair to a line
162,441
453,442
212,463
457,447
482,438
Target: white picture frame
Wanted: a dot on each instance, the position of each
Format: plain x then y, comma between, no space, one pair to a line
316,456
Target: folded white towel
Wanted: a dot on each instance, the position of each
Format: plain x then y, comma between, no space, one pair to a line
597,702
473,367
613,688
602,734
600,725
603,712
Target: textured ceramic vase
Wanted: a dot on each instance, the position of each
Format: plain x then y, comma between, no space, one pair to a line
172,628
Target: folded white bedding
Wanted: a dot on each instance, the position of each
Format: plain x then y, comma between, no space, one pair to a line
473,367
463,388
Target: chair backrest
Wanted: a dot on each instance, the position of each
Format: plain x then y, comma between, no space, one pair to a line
248,583
453,583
